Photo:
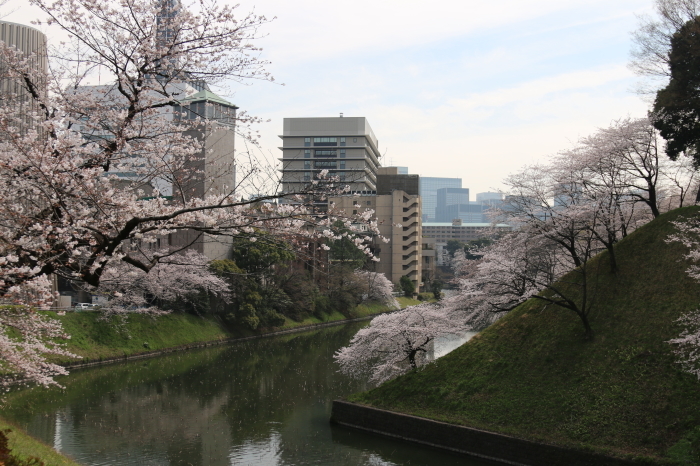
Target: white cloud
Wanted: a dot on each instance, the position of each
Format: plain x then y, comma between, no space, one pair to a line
471,88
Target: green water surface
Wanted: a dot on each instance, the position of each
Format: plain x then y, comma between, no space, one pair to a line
262,402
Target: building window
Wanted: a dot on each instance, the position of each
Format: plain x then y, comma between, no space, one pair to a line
342,141
325,153
354,139
342,164
307,176
325,141
307,164
369,202
307,142
342,153
324,164
307,153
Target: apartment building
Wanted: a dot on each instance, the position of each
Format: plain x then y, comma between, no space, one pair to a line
397,207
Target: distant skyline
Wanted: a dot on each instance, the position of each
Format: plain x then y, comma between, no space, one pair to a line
470,89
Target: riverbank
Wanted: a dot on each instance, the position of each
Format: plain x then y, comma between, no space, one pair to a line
23,447
99,340
533,376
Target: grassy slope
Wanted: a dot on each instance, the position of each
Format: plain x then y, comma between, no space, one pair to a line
23,446
93,338
533,376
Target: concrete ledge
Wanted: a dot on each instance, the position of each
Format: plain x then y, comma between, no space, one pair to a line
473,442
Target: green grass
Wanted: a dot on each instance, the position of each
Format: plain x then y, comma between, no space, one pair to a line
311,320
93,338
532,374
23,446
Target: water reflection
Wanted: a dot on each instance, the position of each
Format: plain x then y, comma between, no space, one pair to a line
264,402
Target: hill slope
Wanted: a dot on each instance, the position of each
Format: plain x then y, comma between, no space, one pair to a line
532,375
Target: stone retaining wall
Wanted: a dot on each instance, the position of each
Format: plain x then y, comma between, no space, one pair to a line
473,442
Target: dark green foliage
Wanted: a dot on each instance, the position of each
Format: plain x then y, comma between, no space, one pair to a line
677,106
343,251
687,450
473,247
268,285
533,375
407,286
322,306
453,245
470,248
265,286
436,289
259,256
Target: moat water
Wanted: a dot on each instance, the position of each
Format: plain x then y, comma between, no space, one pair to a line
262,402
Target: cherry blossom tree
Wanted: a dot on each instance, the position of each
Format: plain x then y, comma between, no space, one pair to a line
67,209
379,288
520,266
396,343
181,278
687,344
23,353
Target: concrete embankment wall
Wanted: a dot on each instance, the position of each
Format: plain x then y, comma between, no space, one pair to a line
473,442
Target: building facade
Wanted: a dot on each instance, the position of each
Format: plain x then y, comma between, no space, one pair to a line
398,215
428,193
32,43
442,232
452,203
345,146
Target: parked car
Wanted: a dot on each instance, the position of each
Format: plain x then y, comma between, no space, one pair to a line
85,307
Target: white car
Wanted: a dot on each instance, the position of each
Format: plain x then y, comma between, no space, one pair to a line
85,306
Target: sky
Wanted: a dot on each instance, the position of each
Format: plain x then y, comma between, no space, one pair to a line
471,89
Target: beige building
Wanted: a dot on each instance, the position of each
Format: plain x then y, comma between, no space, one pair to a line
399,216
429,266
345,146
214,171
210,172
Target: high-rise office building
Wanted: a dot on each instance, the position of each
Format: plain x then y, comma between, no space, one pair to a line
452,203
345,146
32,43
428,193
488,196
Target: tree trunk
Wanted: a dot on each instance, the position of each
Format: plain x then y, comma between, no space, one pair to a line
588,335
